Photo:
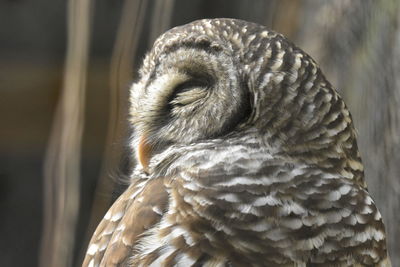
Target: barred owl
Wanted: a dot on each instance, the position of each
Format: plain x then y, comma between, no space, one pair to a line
247,156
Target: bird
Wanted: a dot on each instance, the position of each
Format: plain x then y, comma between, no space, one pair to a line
246,156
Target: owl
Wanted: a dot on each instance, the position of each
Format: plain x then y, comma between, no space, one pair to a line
246,156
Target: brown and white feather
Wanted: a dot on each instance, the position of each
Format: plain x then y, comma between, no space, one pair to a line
251,159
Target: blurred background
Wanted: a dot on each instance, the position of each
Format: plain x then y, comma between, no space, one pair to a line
65,70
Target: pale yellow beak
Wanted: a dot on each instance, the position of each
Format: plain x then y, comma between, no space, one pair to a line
144,153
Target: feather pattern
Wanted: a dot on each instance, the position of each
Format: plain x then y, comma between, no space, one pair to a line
253,160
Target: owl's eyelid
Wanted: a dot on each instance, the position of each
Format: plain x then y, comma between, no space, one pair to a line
188,97
189,85
188,92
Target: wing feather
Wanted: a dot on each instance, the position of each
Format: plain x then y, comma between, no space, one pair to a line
136,210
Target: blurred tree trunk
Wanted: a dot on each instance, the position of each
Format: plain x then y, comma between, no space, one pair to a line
116,155
63,157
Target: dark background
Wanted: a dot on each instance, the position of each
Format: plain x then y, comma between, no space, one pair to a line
357,44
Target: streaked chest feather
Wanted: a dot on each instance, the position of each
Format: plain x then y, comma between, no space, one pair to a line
268,211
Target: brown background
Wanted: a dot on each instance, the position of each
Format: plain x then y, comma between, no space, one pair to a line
356,43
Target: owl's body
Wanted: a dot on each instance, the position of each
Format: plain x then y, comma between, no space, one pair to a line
247,157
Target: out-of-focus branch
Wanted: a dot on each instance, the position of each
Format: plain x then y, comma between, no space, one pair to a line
62,161
128,36
161,18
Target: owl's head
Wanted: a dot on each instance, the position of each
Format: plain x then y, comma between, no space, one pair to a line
221,77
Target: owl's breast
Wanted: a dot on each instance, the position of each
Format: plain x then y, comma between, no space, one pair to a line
248,205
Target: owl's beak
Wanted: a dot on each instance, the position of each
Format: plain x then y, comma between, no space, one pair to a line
144,153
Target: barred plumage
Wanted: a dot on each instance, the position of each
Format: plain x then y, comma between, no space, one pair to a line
247,156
